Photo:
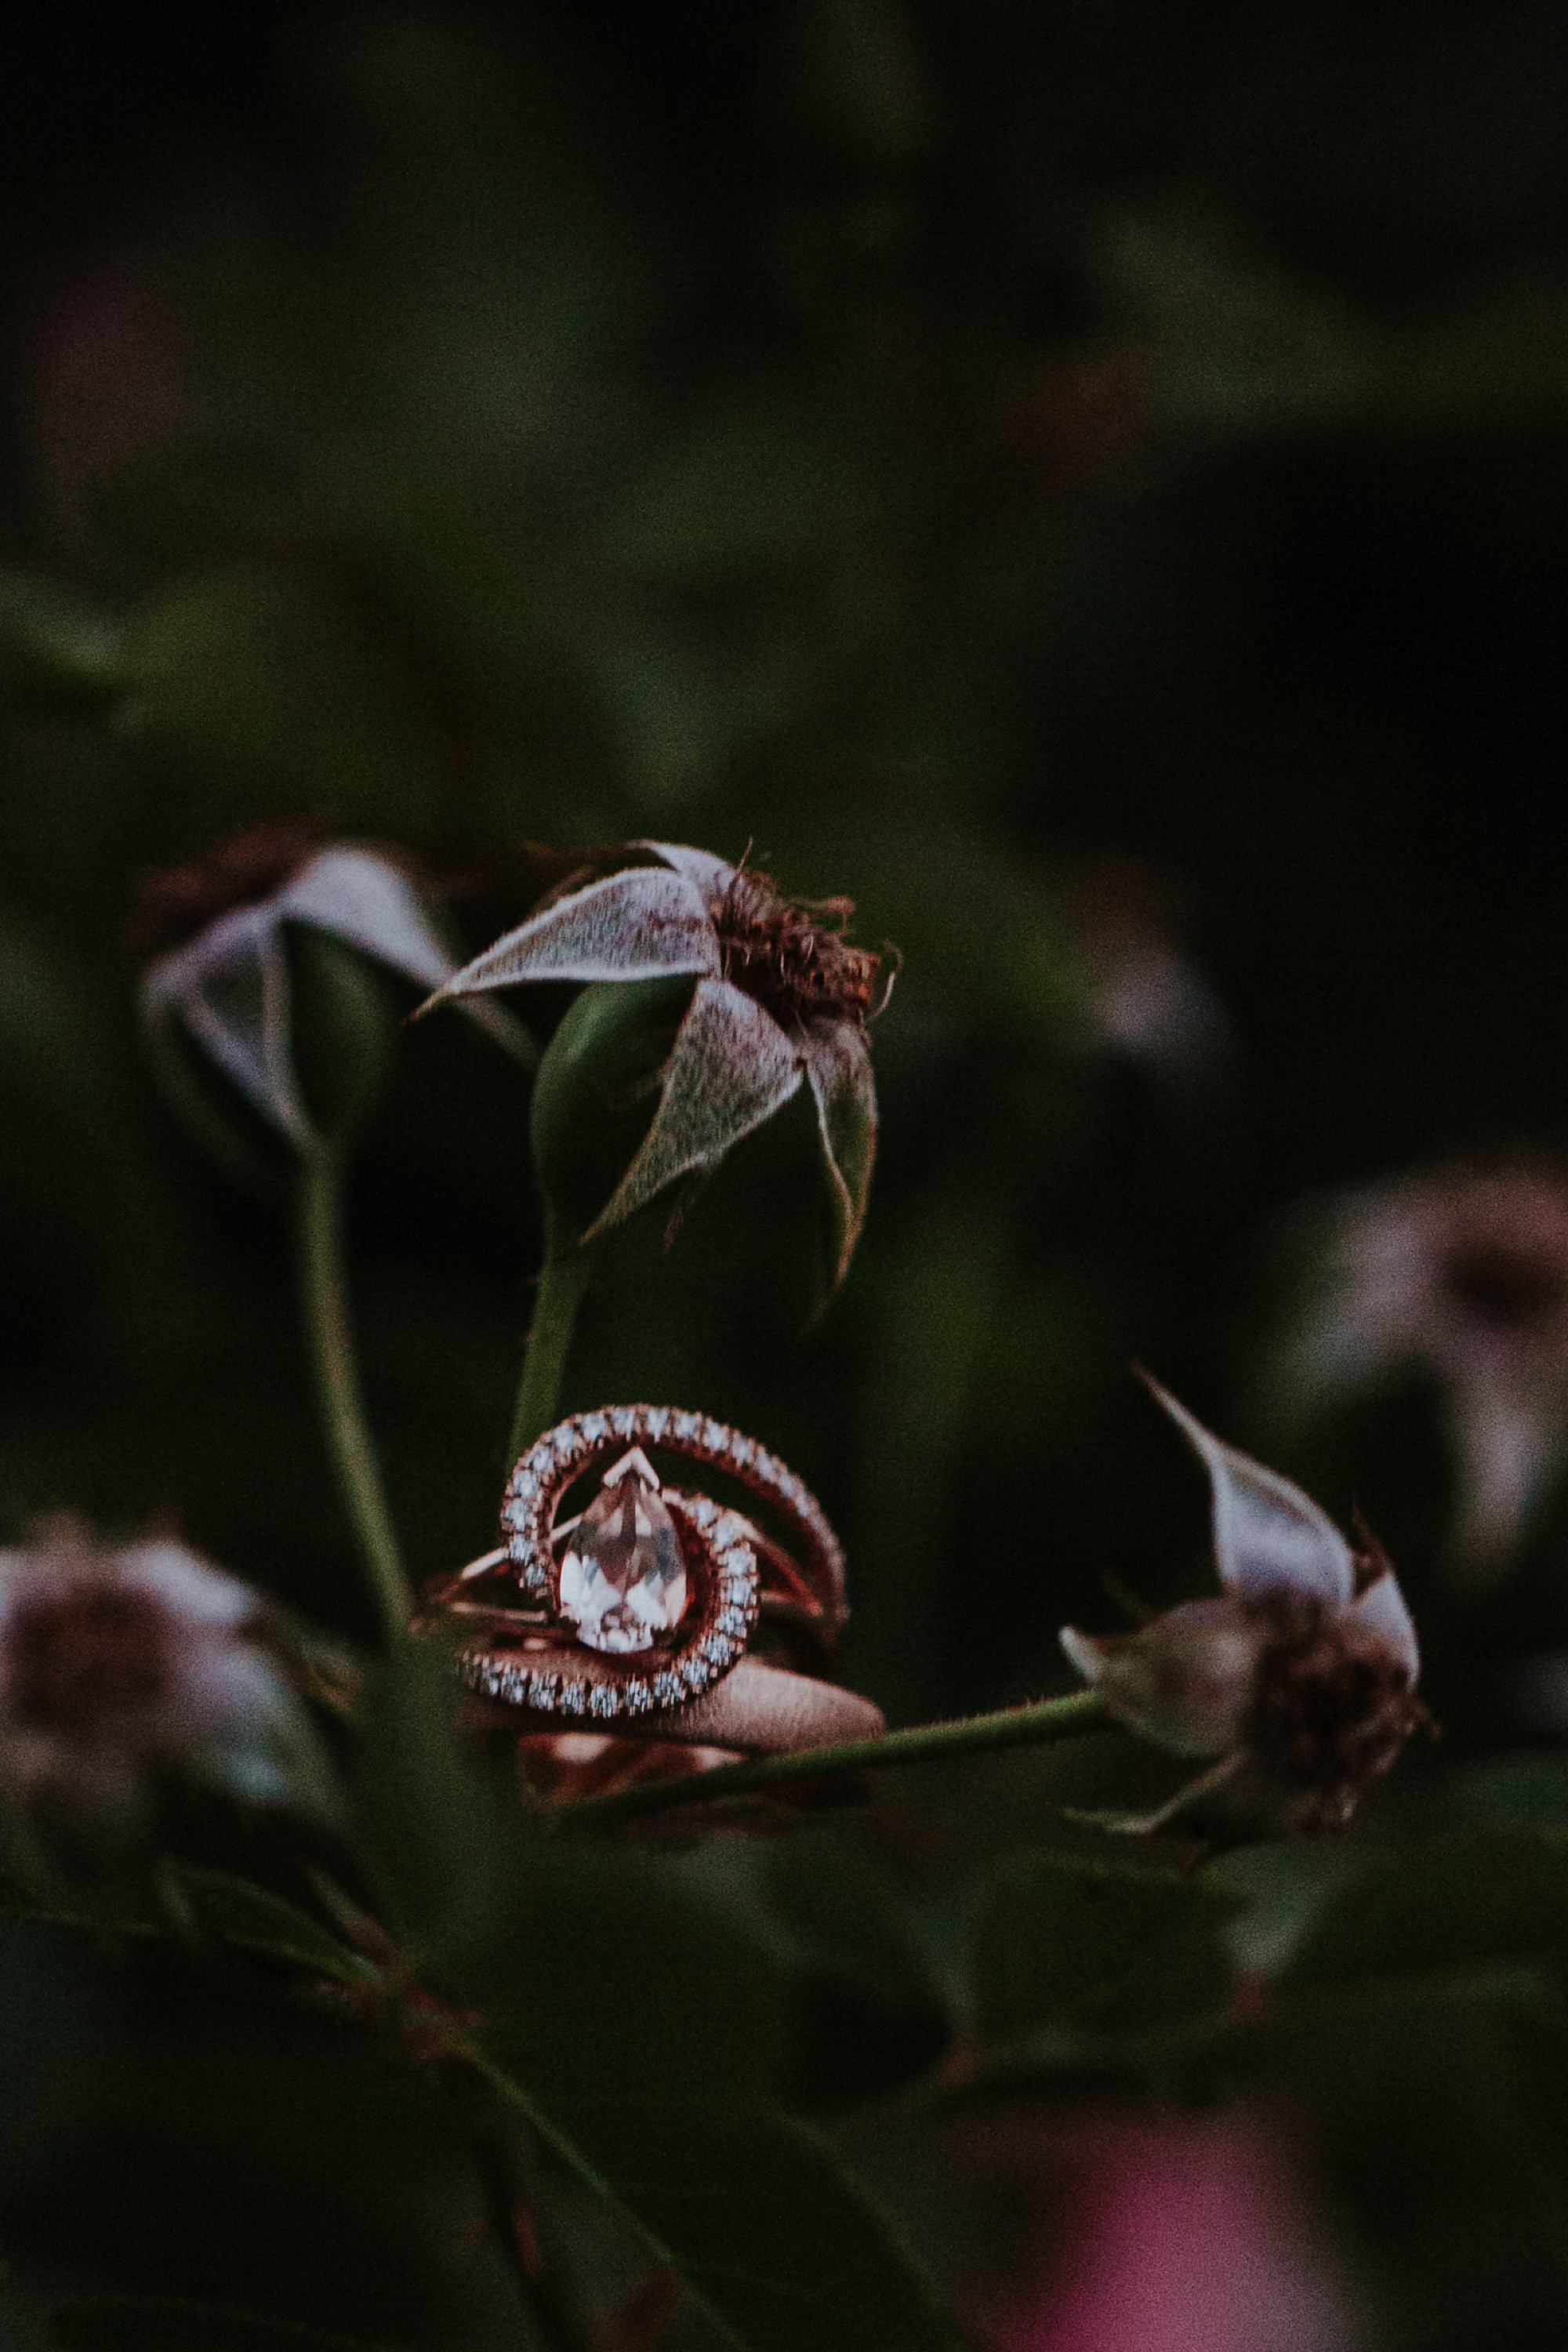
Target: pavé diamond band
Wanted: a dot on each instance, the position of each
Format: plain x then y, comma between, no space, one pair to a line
638,1609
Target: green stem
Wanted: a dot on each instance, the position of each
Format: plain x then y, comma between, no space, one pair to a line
338,1394
925,1743
561,1283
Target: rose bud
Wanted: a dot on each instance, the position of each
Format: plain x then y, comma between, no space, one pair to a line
232,988
781,1002
1460,1274
1299,1681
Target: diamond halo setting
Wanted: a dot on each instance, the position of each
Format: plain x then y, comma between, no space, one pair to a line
656,1590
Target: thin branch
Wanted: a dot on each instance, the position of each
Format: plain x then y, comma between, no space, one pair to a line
926,1743
324,1301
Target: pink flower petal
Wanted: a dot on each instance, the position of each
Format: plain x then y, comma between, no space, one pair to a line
838,1067
710,876
358,897
1381,1610
628,926
1180,2233
230,990
1268,1537
731,1069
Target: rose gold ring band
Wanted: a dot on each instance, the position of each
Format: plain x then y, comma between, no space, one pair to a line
757,1710
635,1618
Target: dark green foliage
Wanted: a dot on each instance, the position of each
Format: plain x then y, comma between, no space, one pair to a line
1094,1948
1086,484
58,653
1480,1899
183,2327
639,2028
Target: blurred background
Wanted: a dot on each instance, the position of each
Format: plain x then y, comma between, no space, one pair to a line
1091,483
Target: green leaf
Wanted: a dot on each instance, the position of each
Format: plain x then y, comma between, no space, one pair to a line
1436,2108
639,2026
835,1907
870,2012
1477,1898
637,2023
756,2216
174,2326
58,652
255,1920
1096,1947
603,1974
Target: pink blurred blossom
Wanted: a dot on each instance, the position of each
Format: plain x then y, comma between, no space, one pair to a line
1175,2233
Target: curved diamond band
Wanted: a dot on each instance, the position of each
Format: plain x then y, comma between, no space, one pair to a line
554,1460
645,1600
753,1710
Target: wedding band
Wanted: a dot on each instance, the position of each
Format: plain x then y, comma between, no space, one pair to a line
755,1710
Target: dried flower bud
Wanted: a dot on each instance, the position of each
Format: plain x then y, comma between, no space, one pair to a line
306,1042
780,1000
1301,1680
1461,1274
118,1667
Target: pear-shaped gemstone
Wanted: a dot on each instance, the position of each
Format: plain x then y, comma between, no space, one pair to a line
623,1579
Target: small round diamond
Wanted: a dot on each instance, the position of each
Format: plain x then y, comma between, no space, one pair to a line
655,1421
594,1428
604,1699
738,1560
686,1426
668,1689
731,1621
742,1450
638,1698
715,1436
541,1689
736,1590
717,1649
694,1672
518,1550
535,1578
573,1698
704,1510
624,1420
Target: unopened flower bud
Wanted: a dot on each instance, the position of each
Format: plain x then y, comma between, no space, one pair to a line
1458,1275
1299,1680
777,999
275,982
